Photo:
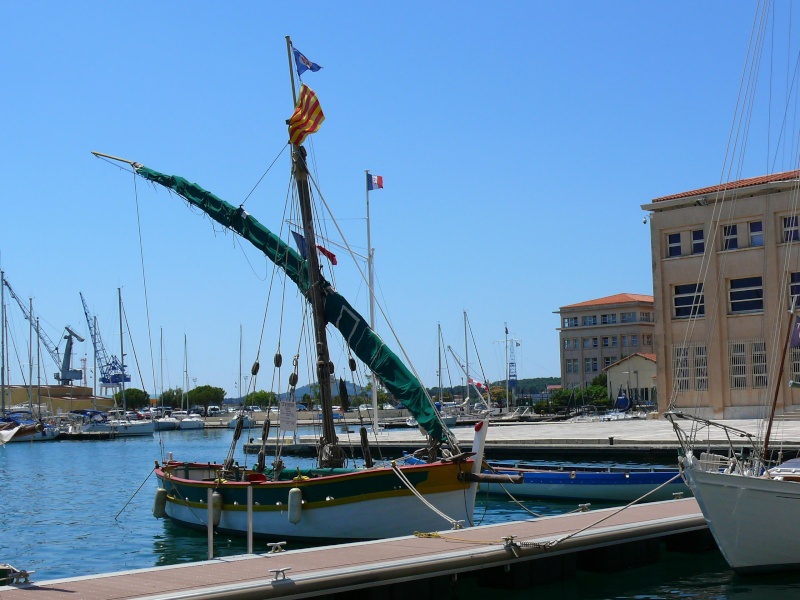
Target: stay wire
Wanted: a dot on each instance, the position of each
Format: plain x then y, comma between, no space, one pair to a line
144,279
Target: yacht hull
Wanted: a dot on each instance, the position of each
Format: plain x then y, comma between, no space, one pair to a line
755,520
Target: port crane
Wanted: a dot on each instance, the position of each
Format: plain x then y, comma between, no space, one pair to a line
67,374
112,371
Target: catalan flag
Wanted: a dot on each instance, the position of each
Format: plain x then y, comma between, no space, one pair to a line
307,116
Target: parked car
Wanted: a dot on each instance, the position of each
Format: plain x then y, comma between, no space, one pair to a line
213,411
254,409
198,410
301,407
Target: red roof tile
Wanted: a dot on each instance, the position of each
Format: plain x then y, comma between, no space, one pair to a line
650,357
615,299
734,185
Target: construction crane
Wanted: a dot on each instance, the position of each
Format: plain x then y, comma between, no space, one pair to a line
112,371
67,374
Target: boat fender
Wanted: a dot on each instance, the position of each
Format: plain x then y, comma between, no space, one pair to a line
295,505
160,504
216,507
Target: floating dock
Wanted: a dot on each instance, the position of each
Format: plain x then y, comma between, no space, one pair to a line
512,555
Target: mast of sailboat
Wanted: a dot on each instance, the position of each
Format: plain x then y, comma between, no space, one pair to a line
30,356
371,275
508,374
439,345
121,353
38,371
466,358
2,344
330,454
780,373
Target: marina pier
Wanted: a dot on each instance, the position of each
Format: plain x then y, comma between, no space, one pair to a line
512,555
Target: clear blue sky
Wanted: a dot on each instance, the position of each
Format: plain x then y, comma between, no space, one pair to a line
517,141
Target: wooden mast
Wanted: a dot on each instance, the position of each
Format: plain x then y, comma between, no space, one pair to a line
330,454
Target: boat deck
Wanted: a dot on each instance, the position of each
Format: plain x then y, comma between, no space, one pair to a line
332,569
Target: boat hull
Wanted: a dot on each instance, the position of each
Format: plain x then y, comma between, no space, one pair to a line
119,428
344,506
755,520
607,486
47,434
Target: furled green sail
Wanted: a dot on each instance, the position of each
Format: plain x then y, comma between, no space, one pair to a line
365,343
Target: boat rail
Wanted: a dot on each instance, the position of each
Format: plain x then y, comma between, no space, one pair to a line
745,453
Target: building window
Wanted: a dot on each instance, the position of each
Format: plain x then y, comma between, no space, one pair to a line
606,362
680,368
624,340
570,321
629,317
758,352
730,239
698,242
796,364
790,233
673,244
700,366
594,342
591,320
737,365
647,339
572,365
756,233
794,288
746,295
688,300
608,319
634,339
587,342
606,342
646,317
590,365
613,341
567,344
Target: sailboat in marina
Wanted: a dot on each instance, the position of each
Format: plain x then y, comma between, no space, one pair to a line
187,421
333,500
116,423
750,496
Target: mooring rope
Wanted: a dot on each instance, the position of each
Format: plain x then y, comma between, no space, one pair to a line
455,524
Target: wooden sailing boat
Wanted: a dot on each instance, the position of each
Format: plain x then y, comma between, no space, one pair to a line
750,501
332,501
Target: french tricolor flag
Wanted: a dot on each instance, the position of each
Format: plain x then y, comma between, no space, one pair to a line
374,182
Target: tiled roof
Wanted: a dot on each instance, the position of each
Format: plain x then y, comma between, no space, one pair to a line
734,185
615,299
650,357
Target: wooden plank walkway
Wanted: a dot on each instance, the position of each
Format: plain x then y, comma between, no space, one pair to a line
348,567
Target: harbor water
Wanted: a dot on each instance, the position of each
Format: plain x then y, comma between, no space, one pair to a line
74,508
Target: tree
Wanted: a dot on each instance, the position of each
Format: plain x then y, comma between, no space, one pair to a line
171,397
205,394
134,398
261,398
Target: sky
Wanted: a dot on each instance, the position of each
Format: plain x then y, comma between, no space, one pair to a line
517,142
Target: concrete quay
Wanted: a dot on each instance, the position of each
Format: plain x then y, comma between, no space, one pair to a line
646,440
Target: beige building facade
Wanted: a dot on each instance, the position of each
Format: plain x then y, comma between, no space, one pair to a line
635,376
726,260
597,333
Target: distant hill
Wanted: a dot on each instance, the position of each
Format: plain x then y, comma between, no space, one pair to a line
352,390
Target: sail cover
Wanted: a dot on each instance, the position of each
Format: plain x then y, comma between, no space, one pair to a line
365,343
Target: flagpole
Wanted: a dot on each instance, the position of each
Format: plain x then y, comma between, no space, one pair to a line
370,271
508,399
291,73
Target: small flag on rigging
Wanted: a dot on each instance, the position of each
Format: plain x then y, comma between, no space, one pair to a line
303,64
374,182
307,116
300,241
